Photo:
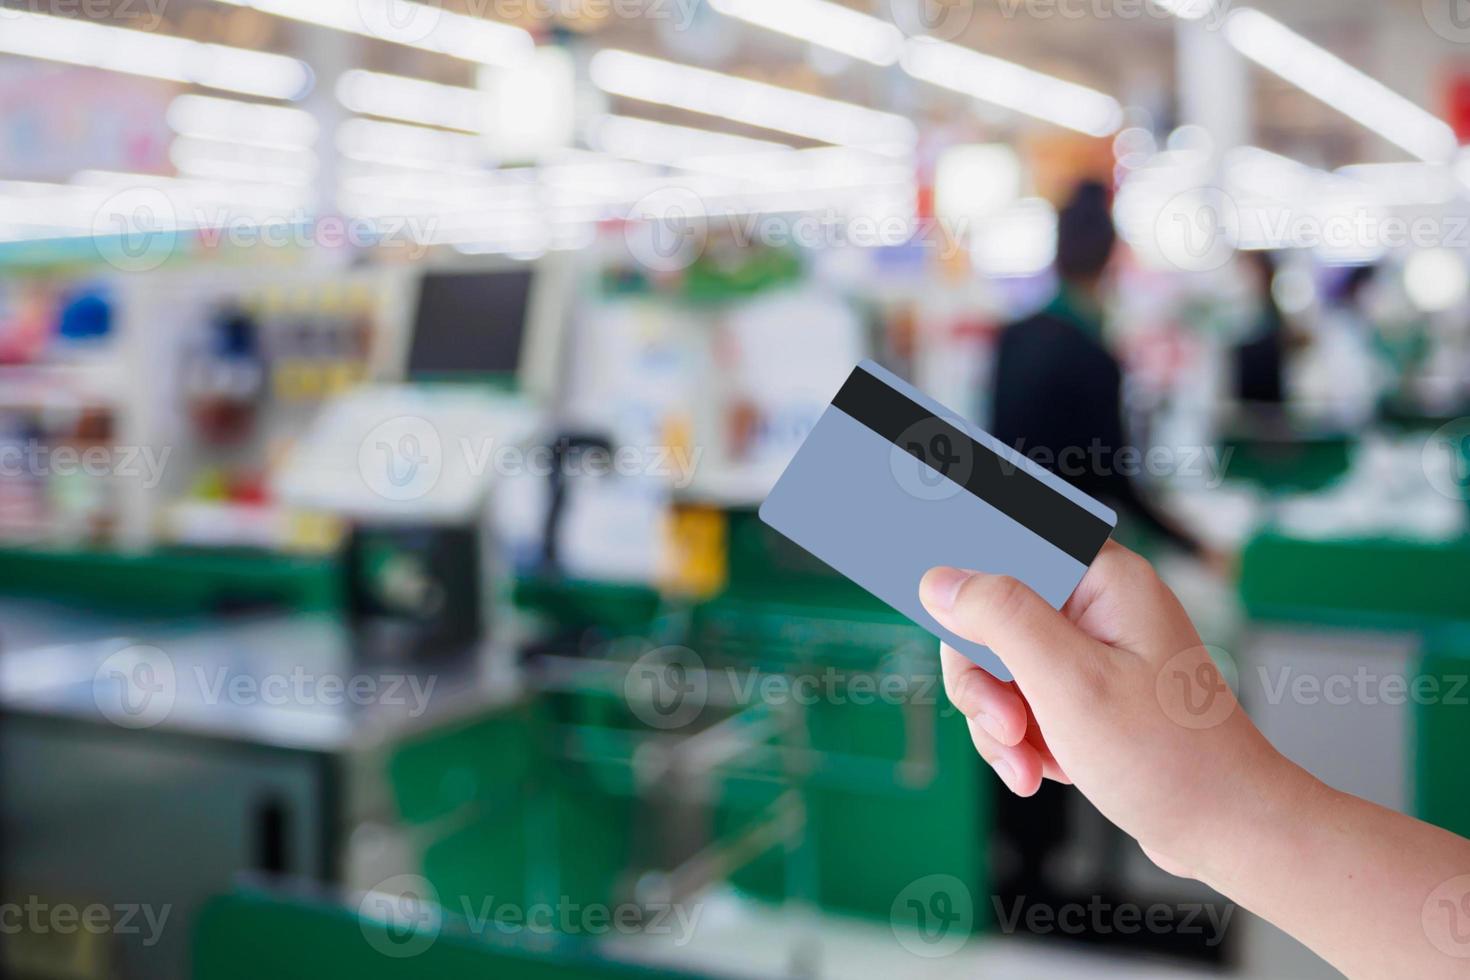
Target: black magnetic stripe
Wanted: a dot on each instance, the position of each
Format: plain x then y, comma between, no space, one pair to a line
997,481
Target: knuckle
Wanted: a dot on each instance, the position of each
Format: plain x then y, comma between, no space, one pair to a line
1111,557
1122,568
1130,565
1142,575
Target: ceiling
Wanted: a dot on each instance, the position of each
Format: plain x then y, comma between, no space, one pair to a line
1125,48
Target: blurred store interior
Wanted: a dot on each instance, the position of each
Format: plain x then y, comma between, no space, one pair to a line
388,389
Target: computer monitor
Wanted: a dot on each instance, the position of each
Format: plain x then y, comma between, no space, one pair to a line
470,323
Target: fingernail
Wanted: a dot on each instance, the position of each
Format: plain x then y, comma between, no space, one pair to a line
1005,772
944,587
992,727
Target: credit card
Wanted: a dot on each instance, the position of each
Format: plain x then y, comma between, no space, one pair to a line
890,483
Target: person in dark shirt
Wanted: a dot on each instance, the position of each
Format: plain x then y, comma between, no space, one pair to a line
1057,394
1259,361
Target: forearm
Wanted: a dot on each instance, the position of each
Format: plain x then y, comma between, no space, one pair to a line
1368,889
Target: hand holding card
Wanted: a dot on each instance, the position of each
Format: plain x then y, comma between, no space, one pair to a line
889,484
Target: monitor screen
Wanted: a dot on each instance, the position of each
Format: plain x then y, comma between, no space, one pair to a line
470,323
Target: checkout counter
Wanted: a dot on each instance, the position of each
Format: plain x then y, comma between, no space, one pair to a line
539,771
527,755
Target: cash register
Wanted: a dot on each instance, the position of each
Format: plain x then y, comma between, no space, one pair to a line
411,463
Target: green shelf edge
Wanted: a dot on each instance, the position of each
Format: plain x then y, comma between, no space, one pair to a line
172,581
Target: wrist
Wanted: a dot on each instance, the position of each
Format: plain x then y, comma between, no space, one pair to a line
1269,817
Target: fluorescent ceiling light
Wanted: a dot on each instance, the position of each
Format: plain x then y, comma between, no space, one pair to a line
592,187
664,143
245,123
1400,184
411,99
1319,73
1250,170
828,25
761,163
98,200
38,211
175,59
1283,203
636,76
1007,84
409,147
823,168
528,110
976,180
1020,240
491,190
249,197
750,163
213,160
417,25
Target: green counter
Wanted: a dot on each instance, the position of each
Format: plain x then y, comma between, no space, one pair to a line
1412,587
1288,463
1370,582
173,581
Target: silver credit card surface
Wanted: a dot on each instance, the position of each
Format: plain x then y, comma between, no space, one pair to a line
890,483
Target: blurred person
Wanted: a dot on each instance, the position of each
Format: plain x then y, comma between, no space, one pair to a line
1116,695
1260,361
1058,399
1057,392
1340,377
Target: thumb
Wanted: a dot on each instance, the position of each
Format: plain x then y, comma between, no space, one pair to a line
1037,643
